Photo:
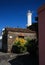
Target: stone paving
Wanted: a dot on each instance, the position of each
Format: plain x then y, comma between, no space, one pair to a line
17,59
4,63
7,58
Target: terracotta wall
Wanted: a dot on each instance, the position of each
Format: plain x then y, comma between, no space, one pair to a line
41,27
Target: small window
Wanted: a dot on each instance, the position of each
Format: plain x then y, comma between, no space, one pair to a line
21,36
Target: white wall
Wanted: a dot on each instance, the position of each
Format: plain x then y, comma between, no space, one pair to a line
29,18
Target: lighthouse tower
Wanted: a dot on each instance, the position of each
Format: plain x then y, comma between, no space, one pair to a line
29,18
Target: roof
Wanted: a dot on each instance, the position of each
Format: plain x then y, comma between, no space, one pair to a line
19,30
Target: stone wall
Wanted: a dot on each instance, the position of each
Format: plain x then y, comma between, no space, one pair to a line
12,35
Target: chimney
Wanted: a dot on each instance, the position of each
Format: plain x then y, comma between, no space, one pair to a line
29,18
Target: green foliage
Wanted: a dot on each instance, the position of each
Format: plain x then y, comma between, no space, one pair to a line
17,43
19,49
21,46
32,47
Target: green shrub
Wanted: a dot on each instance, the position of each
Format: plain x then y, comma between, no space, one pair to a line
32,47
19,45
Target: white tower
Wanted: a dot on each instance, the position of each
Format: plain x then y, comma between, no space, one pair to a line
29,18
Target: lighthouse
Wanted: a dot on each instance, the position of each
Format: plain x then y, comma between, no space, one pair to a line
29,18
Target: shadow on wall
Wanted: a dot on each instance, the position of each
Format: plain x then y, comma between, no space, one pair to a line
24,60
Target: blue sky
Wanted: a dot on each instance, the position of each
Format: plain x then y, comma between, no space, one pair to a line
13,13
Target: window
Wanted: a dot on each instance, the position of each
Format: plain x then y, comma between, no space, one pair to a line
21,36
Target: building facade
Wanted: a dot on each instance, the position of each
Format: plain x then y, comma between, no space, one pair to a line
41,28
9,35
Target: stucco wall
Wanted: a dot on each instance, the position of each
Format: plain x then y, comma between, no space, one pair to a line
41,27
